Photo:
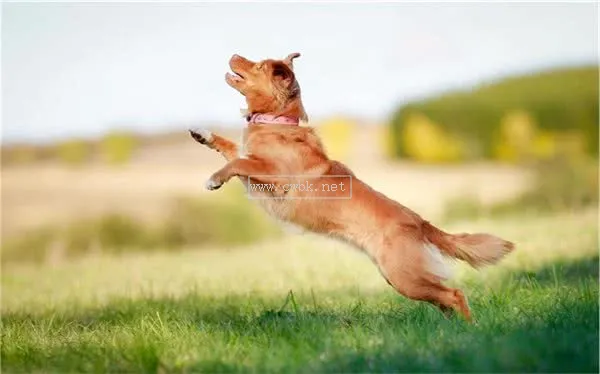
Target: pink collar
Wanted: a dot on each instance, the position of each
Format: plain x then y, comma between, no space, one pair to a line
270,119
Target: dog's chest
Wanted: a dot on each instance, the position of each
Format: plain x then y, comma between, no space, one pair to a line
253,142
275,147
243,145
278,208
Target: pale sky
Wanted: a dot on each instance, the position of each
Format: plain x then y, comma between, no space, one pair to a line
81,69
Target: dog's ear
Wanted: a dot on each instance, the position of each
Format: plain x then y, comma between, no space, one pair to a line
283,74
289,59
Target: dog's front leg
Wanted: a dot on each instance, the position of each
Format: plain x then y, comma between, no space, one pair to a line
239,167
224,146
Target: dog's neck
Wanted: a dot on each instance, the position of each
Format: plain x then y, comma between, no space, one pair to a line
274,110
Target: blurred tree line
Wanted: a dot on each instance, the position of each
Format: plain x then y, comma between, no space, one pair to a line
114,148
546,121
518,119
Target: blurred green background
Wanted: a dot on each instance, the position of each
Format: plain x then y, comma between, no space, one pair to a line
542,126
539,130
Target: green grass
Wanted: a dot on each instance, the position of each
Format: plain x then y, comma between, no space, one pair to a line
306,305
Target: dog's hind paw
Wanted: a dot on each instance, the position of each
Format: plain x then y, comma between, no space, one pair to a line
201,136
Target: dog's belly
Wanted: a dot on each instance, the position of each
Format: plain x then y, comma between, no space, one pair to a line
279,209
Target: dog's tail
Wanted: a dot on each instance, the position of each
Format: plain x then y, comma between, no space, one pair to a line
475,249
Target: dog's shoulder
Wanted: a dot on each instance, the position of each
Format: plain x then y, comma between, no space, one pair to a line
285,136
295,149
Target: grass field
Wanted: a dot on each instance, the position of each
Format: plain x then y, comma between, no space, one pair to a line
307,304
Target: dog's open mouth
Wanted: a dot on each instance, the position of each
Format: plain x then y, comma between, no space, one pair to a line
234,76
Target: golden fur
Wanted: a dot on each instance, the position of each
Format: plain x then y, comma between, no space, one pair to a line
408,250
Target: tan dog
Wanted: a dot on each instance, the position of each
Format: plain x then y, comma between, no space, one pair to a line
278,153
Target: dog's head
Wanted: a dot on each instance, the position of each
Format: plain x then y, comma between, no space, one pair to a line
269,86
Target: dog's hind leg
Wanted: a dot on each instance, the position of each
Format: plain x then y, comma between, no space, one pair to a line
450,299
407,272
445,298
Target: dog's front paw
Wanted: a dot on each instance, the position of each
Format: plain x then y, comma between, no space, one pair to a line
213,184
201,136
